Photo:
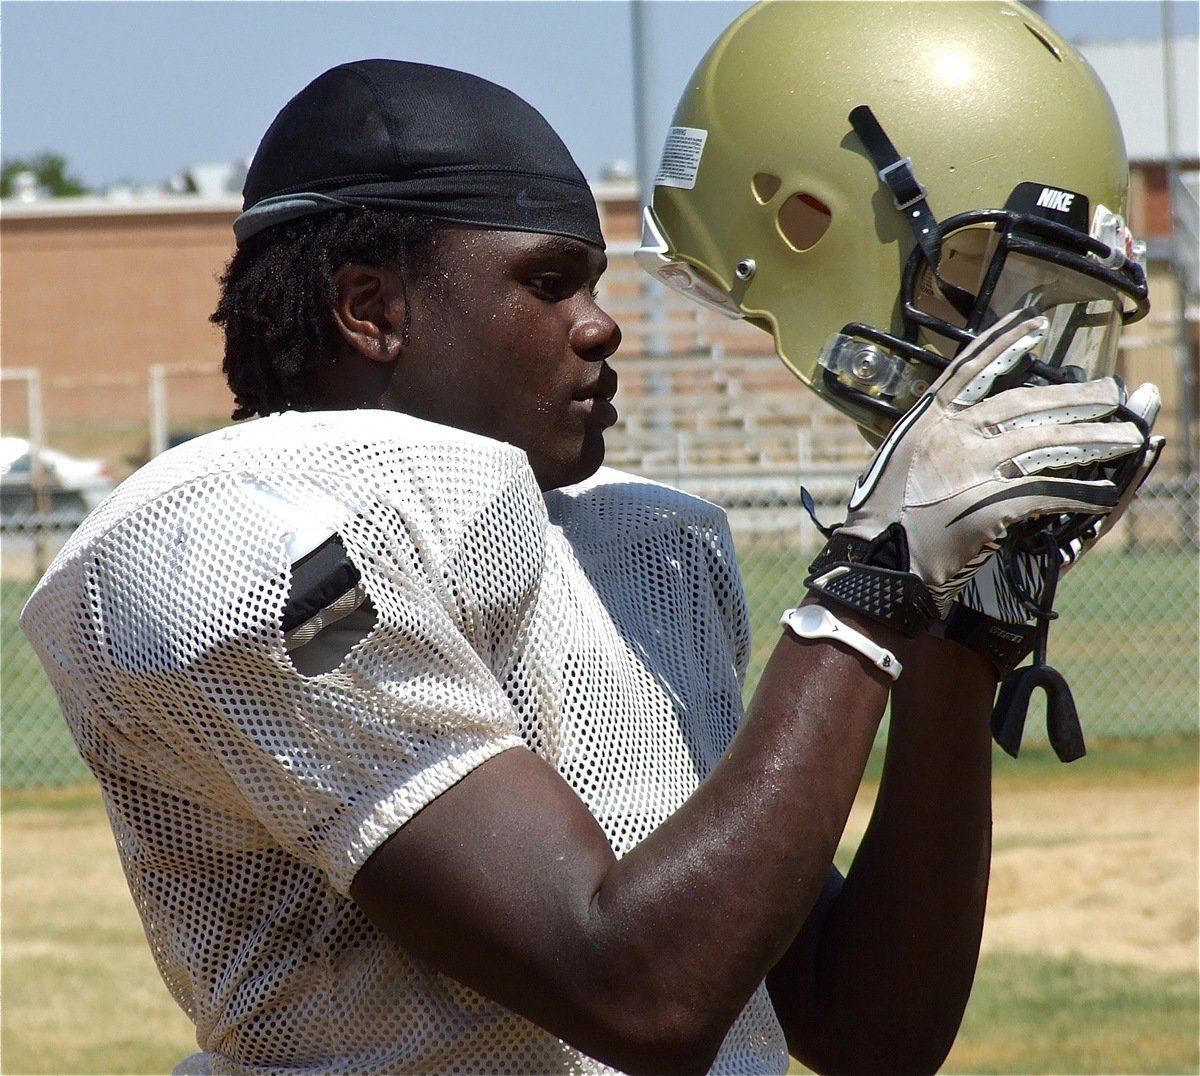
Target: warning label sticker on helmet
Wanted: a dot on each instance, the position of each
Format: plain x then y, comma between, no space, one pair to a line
681,157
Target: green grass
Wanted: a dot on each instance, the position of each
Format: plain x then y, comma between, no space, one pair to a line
1035,1015
81,994
35,745
1113,763
1126,638
1030,1015
1126,641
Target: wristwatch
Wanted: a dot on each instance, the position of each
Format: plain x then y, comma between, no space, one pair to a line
817,622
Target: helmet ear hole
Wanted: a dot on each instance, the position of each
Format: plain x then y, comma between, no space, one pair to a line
802,220
765,186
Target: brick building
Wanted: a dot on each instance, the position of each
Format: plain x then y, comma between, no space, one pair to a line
105,300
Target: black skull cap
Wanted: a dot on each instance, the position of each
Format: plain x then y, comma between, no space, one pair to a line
413,138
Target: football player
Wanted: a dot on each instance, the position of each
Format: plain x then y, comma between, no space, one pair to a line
421,732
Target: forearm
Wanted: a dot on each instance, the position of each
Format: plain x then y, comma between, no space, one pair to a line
643,962
897,953
768,820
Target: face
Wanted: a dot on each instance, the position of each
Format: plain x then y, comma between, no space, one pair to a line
507,341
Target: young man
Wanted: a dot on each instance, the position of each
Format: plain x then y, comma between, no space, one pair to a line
420,731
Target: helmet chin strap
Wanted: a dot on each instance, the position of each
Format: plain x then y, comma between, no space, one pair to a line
909,197
1017,688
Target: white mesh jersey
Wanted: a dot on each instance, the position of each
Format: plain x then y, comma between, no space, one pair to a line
602,626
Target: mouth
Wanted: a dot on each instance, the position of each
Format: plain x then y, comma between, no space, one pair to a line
597,411
604,414
596,399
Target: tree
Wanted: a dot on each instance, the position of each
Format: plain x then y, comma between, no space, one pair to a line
50,171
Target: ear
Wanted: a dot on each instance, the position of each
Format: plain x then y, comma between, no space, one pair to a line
369,310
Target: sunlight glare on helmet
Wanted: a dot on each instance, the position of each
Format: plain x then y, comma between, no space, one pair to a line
953,68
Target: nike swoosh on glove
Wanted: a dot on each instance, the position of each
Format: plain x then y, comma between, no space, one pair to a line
962,467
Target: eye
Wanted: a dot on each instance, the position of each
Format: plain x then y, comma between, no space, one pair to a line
557,287
553,287
555,270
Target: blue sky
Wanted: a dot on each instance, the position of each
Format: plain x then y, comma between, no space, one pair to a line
138,91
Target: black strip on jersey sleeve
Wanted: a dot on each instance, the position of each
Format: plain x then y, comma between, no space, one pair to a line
319,578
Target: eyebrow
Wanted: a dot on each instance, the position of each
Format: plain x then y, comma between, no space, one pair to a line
574,248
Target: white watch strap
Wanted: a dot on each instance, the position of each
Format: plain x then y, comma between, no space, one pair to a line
817,622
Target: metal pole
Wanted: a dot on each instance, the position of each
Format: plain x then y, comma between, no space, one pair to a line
1180,250
158,409
656,342
641,109
37,472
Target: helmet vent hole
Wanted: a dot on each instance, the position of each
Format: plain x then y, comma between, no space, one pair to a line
802,220
1050,46
765,186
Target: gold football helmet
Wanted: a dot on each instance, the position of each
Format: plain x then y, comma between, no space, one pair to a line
875,183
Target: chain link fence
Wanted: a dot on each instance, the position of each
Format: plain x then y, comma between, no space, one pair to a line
707,408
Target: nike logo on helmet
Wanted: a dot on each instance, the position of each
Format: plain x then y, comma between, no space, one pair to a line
1059,201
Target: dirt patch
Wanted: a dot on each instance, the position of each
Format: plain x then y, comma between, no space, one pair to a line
1104,873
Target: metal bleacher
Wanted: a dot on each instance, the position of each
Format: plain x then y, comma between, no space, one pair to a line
706,404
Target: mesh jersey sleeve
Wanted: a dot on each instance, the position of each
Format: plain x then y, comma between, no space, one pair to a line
187,683
625,526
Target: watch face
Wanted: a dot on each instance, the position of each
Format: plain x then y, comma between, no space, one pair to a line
814,617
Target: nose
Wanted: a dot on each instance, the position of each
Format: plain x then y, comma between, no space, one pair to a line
595,335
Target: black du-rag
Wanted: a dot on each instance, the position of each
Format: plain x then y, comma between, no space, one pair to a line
414,138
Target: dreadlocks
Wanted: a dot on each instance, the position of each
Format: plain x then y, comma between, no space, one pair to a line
278,294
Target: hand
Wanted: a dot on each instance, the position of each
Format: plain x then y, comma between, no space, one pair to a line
994,612
1145,403
962,467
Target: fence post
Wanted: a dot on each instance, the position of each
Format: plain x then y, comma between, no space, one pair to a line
158,409
35,434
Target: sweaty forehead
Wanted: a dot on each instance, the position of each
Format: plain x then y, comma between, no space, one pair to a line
570,249
532,246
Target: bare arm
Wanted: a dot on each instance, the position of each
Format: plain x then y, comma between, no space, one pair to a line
507,883
880,977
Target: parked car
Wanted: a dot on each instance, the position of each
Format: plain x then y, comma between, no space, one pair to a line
72,486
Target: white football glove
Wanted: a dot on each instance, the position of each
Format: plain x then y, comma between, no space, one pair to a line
995,610
1004,611
1145,402
962,467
